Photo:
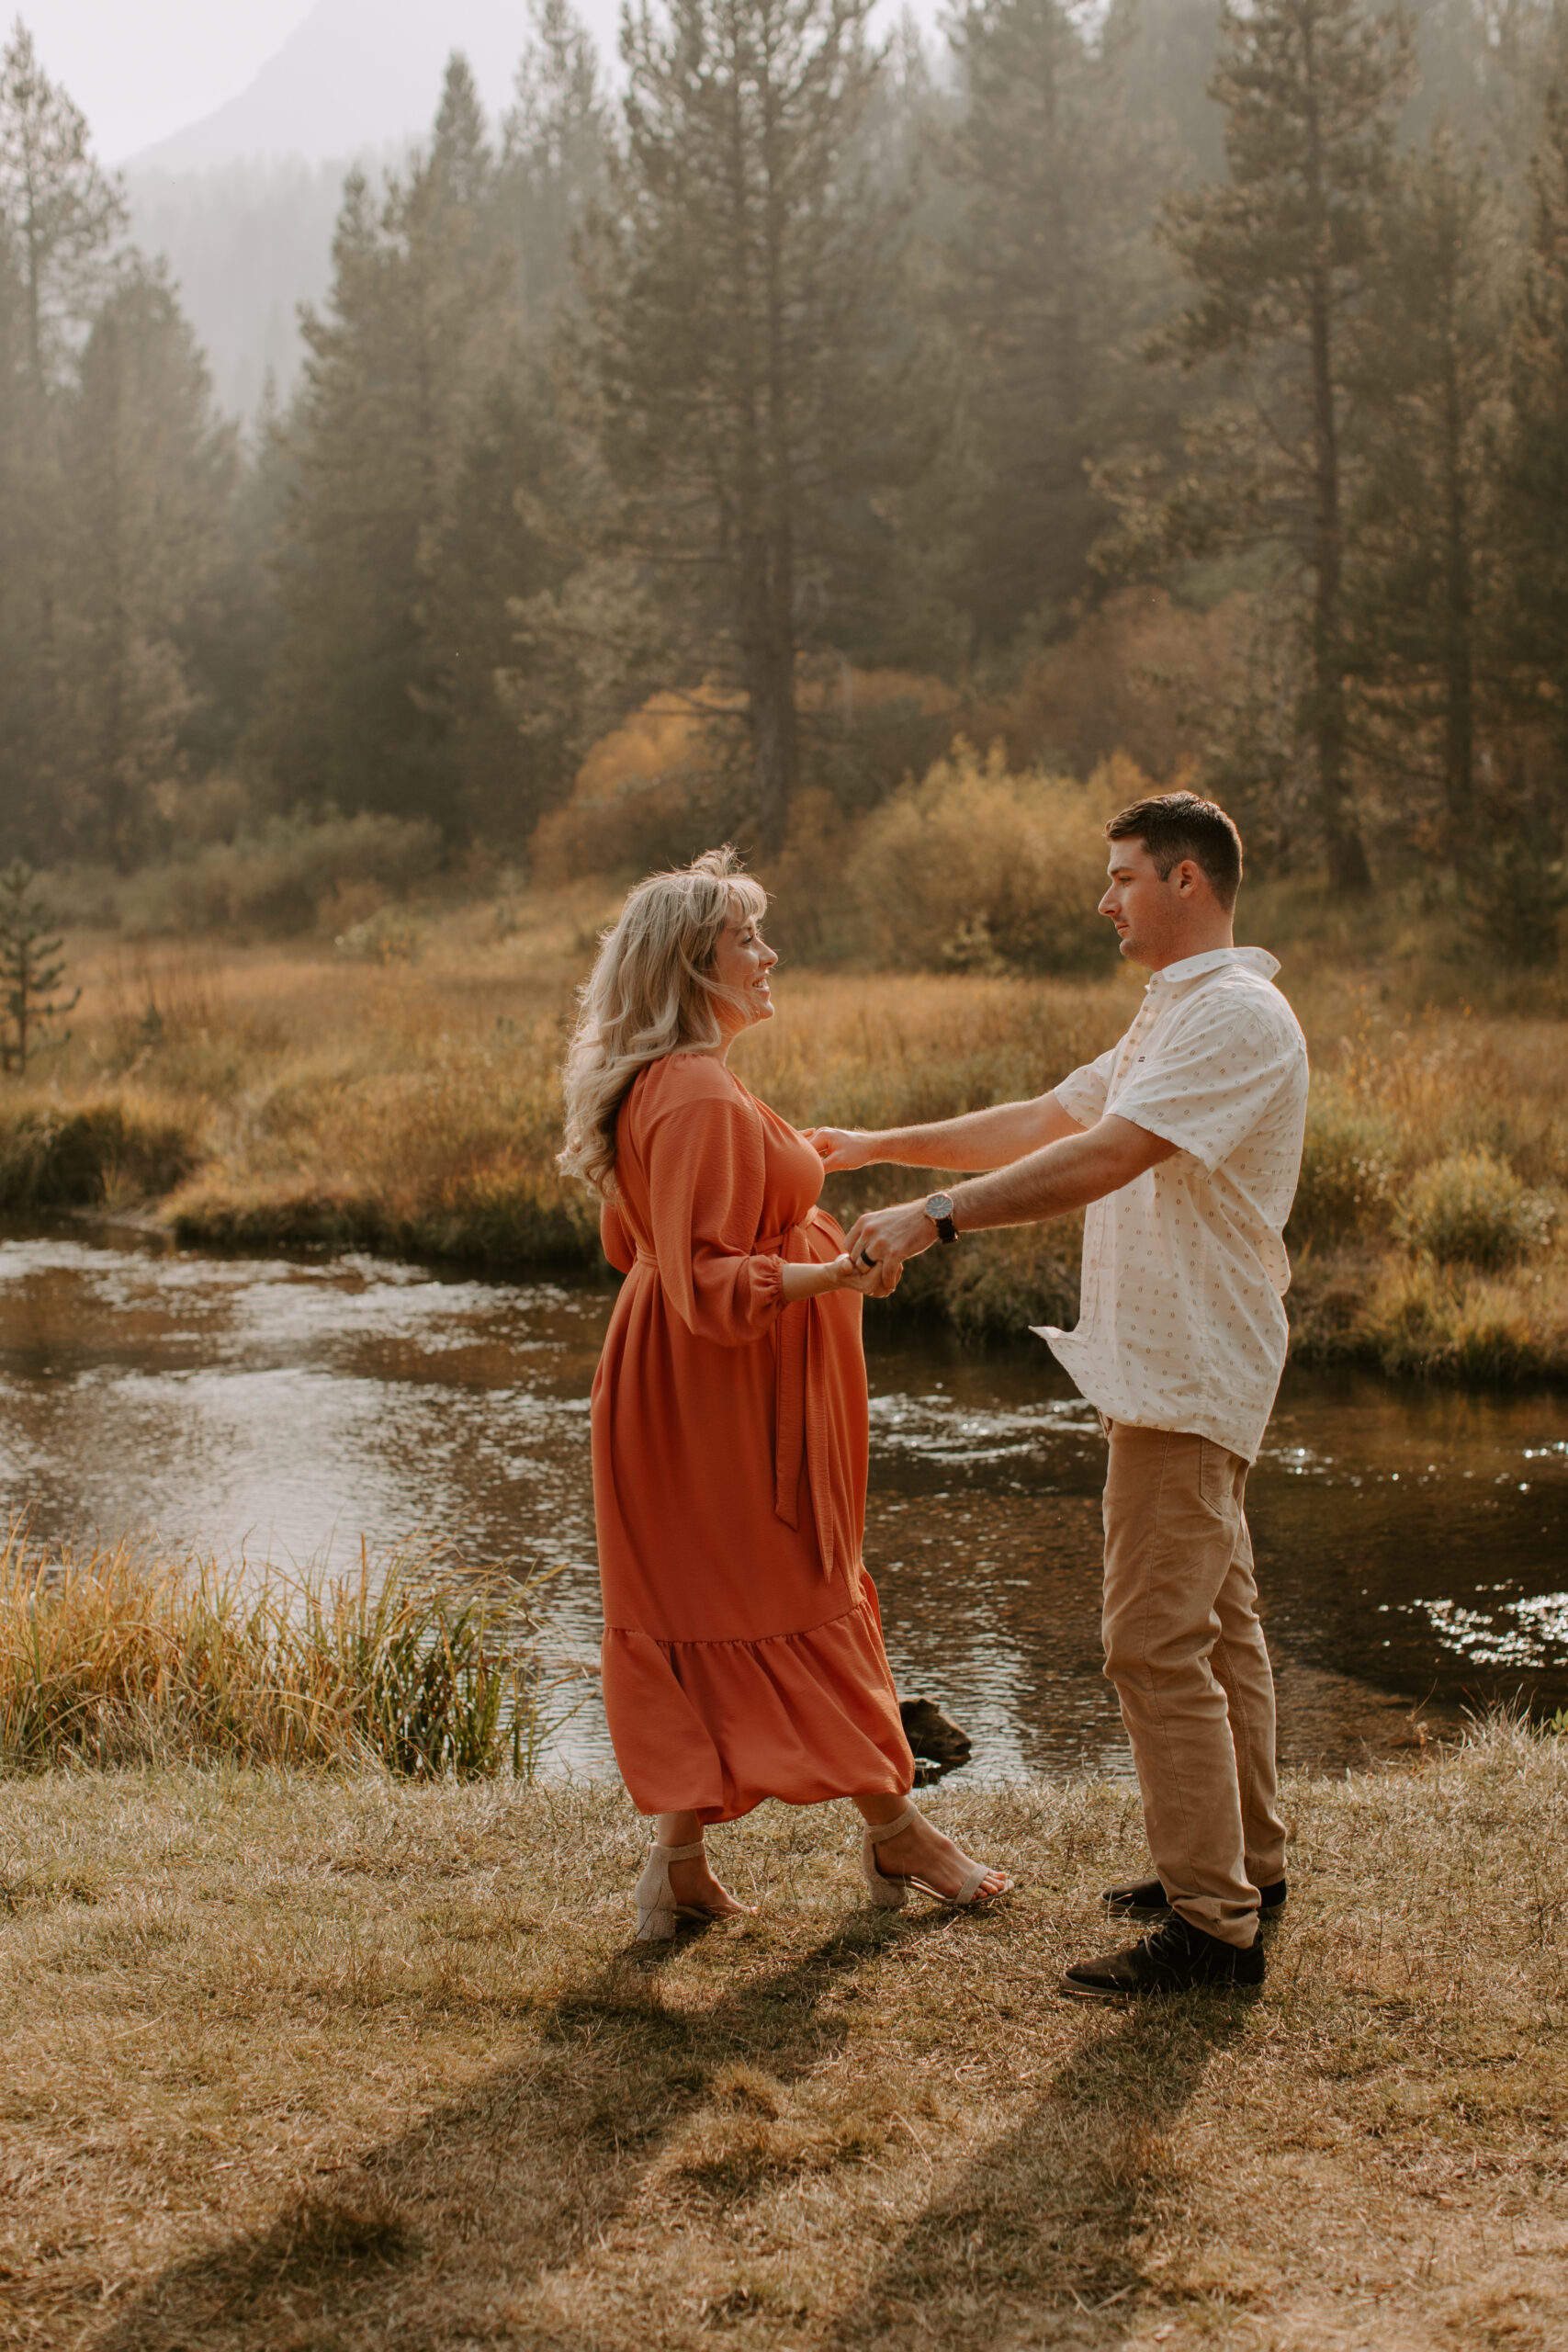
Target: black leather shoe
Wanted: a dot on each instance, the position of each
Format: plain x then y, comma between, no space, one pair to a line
1177,1958
1150,1896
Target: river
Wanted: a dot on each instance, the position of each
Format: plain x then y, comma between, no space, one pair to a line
1411,1542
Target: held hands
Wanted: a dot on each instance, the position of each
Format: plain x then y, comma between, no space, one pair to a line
872,1281
889,1235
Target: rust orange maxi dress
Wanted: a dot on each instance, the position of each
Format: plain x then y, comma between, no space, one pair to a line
742,1648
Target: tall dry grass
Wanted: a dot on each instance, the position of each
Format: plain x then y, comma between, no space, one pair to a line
282,1095
109,1656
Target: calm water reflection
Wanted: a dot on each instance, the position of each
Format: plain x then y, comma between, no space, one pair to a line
1413,1544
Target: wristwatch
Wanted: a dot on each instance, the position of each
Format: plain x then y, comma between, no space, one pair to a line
939,1208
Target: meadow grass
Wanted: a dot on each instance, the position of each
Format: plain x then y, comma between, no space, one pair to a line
109,1656
306,2061
269,1095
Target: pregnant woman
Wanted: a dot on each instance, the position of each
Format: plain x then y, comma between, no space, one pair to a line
742,1649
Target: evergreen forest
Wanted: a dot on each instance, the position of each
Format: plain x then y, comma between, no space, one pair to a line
707,446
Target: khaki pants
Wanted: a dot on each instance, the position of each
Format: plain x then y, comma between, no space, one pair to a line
1186,1653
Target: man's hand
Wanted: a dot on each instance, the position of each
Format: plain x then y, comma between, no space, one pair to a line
884,1235
841,1147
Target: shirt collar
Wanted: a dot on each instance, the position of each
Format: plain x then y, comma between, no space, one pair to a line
1193,968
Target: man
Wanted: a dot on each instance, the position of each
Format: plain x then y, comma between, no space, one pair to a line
1184,1143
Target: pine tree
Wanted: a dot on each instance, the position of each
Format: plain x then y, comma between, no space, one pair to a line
62,212
60,220
421,323
1038,291
150,476
504,542
742,347
1167,54
24,823
1422,576
554,163
1311,91
31,969
1537,458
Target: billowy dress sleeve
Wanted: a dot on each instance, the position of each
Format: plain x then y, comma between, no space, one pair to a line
705,1177
614,1241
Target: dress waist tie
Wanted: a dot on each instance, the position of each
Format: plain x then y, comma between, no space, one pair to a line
800,1404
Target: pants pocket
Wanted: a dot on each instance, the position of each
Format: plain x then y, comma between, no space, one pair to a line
1214,1476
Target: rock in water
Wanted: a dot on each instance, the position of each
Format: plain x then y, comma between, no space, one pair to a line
933,1734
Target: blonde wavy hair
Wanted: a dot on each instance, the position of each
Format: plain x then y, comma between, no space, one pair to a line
651,992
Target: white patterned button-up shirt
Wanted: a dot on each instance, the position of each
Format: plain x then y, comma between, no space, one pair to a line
1180,1323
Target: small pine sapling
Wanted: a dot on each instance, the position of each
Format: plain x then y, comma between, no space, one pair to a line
31,969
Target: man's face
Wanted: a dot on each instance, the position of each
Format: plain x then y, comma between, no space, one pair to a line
1151,915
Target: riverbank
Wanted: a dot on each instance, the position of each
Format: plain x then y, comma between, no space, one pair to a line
301,2060
407,1101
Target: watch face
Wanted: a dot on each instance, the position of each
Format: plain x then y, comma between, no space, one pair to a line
939,1206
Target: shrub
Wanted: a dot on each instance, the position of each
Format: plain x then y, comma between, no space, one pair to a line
276,879
675,776
1140,673
52,1157
655,791
1350,1169
391,935
976,870
1472,1208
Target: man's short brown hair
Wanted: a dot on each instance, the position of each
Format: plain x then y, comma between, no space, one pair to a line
1174,825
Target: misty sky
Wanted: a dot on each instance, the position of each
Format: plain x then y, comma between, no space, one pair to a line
146,69
141,71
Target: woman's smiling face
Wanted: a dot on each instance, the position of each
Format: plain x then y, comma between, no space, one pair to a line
741,963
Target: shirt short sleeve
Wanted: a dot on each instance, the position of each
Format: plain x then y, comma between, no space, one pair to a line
1215,1075
1083,1091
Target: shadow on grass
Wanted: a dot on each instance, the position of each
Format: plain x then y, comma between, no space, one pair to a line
538,2157
528,2167
1041,2237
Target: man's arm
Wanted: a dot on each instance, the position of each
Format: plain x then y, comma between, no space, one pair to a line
1065,1175
992,1138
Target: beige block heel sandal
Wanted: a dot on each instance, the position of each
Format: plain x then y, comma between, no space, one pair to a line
890,1890
657,1912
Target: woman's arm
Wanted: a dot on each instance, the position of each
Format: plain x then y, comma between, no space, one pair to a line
979,1139
837,1274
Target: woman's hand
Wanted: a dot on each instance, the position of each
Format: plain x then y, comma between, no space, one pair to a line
875,1282
837,1274
841,1147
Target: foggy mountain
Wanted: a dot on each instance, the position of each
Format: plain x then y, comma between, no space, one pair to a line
241,204
361,74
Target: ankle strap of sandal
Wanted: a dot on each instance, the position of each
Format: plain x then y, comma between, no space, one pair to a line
680,1853
885,1829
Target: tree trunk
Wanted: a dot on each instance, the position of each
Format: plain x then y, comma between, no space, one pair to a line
768,519
1459,713
1344,850
775,741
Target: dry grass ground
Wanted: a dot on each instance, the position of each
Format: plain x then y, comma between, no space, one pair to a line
286,1095
318,2065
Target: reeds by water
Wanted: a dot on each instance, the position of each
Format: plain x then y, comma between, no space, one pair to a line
108,1657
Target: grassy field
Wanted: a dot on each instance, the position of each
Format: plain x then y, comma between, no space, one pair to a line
329,2064
263,1095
